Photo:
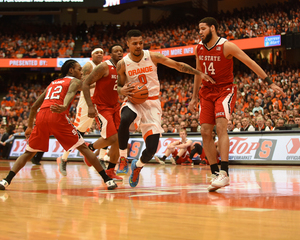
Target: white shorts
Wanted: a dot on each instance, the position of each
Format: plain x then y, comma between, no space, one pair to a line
148,118
82,121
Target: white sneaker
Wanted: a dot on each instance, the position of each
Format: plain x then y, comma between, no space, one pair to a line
111,185
173,161
222,180
211,188
3,184
157,159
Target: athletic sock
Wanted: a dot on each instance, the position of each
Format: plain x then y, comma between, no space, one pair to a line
214,168
123,153
10,176
164,158
111,165
104,176
102,153
139,163
65,155
91,147
224,167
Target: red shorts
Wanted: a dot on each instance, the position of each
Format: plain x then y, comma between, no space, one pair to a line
47,124
216,102
185,157
108,121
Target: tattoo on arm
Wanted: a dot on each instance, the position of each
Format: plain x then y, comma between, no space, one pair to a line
187,69
120,64
158,55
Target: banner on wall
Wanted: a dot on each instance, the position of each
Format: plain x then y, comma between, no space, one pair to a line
256,147
249,43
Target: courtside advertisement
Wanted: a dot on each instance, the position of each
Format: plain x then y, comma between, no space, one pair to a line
243,148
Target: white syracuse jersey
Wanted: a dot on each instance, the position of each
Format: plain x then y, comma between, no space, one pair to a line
81,101
82,121
144,71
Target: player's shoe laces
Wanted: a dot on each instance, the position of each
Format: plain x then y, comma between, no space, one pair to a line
3,184
135,174
123,166
111,173
62,166
159,160
173,161
218,181
111,185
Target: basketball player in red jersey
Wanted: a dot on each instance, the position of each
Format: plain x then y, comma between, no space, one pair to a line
107,112
54,105
214,59
82,121
180,150
141,66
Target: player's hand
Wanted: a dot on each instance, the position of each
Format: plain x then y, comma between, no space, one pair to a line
58,108
192,105
28,132
206,78
277,89
127,89
91,112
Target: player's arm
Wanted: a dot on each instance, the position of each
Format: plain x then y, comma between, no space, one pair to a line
185,145
37,104
197,83
179,66
173,145
99,72
86,70
123,87
75,86
232,50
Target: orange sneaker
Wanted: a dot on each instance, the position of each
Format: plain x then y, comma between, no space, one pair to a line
111,173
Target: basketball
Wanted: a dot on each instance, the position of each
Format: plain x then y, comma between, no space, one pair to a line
140,93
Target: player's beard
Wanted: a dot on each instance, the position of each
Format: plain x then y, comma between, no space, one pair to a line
207,38
137,55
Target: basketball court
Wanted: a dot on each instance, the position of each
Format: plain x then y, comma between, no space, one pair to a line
170,202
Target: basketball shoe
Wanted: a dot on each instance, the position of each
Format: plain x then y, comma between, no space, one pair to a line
123,166
218,181
62,166
111,173
159,160
135,174
173,161
3,184
111,184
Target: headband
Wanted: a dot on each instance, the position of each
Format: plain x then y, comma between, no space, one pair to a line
96,50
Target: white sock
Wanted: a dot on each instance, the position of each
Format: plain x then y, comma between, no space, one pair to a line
102,153
123,153
65,156
140,164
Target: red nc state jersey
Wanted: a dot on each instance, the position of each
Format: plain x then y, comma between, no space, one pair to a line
56,93
106,88
213,63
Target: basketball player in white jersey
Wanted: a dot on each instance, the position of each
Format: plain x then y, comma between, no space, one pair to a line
141,66
82,121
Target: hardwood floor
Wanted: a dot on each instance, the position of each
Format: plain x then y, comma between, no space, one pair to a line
170,202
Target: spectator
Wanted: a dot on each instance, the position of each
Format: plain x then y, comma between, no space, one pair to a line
261,125
246,126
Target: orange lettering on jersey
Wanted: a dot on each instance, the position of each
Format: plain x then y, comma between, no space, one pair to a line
140,70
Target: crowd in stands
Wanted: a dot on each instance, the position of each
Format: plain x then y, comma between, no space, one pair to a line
36,41
257,108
